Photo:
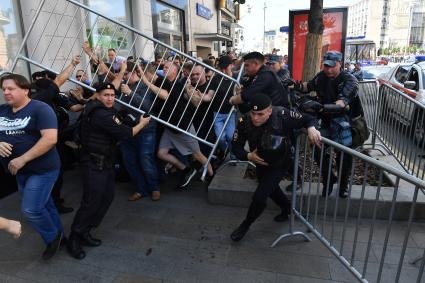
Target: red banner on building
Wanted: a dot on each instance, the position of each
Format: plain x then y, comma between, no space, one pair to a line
334,35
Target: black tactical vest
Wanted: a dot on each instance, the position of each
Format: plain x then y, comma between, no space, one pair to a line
93,139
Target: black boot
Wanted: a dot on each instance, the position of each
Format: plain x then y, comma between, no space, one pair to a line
52,247
89,241
240,232
254,211
74,248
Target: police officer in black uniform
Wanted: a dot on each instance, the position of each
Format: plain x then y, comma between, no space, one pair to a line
259,78
334,85
267,131
101,128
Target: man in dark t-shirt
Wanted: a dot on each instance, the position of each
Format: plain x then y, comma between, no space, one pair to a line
139,152
222,107
28,134
172,106
198,89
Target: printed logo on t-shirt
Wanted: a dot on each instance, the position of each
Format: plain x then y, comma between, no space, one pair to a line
15,126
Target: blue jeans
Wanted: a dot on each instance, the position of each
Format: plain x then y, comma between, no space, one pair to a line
37,204
226,138
139,158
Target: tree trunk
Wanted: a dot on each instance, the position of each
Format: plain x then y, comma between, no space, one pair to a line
313,46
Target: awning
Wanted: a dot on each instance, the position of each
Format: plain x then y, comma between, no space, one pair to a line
212,36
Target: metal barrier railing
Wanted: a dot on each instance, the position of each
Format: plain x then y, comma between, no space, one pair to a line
327,216
75,23
400,125
397,121
368,93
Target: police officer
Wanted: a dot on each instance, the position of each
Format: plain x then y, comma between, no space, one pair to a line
101,128
334,85
266,129
259,79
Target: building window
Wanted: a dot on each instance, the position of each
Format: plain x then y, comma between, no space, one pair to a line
106,34
10,36
167,22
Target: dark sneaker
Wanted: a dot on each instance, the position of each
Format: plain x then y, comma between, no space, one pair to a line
281,217
239,233
52,247
187,176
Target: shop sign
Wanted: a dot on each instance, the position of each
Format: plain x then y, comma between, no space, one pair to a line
203,11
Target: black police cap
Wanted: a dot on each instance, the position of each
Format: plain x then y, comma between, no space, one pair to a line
259,102
254,55
104,86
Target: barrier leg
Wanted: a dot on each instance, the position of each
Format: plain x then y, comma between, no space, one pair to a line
291,232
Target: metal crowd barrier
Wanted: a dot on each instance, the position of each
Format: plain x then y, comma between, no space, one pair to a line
66,24
351,228
397,124
368,93
400,126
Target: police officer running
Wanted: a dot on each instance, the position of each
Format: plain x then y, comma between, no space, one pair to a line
101,128
335,85
267,131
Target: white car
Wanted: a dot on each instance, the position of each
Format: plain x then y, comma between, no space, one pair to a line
409,79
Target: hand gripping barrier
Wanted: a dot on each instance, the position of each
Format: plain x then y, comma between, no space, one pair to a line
60,29
358,229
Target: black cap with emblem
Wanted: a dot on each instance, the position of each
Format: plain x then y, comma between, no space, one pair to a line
103,86
259,102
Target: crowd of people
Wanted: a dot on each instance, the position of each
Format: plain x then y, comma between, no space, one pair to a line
168,111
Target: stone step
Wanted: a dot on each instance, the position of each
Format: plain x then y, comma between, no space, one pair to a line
230,187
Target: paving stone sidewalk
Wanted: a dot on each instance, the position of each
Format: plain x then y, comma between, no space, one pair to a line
183,238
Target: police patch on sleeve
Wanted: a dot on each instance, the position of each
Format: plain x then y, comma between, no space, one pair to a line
295,115
116,120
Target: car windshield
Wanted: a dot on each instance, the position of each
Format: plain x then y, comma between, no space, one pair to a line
371,72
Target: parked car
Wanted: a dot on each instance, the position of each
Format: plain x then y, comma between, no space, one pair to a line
408,78
373,72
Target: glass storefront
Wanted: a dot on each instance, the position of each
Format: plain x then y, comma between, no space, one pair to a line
10,32
105,34
168,25
10,38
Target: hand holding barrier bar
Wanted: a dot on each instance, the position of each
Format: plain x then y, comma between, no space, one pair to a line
74,11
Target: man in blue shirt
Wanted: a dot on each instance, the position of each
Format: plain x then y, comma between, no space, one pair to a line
28,134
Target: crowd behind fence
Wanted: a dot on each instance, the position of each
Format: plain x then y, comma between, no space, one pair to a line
74,34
